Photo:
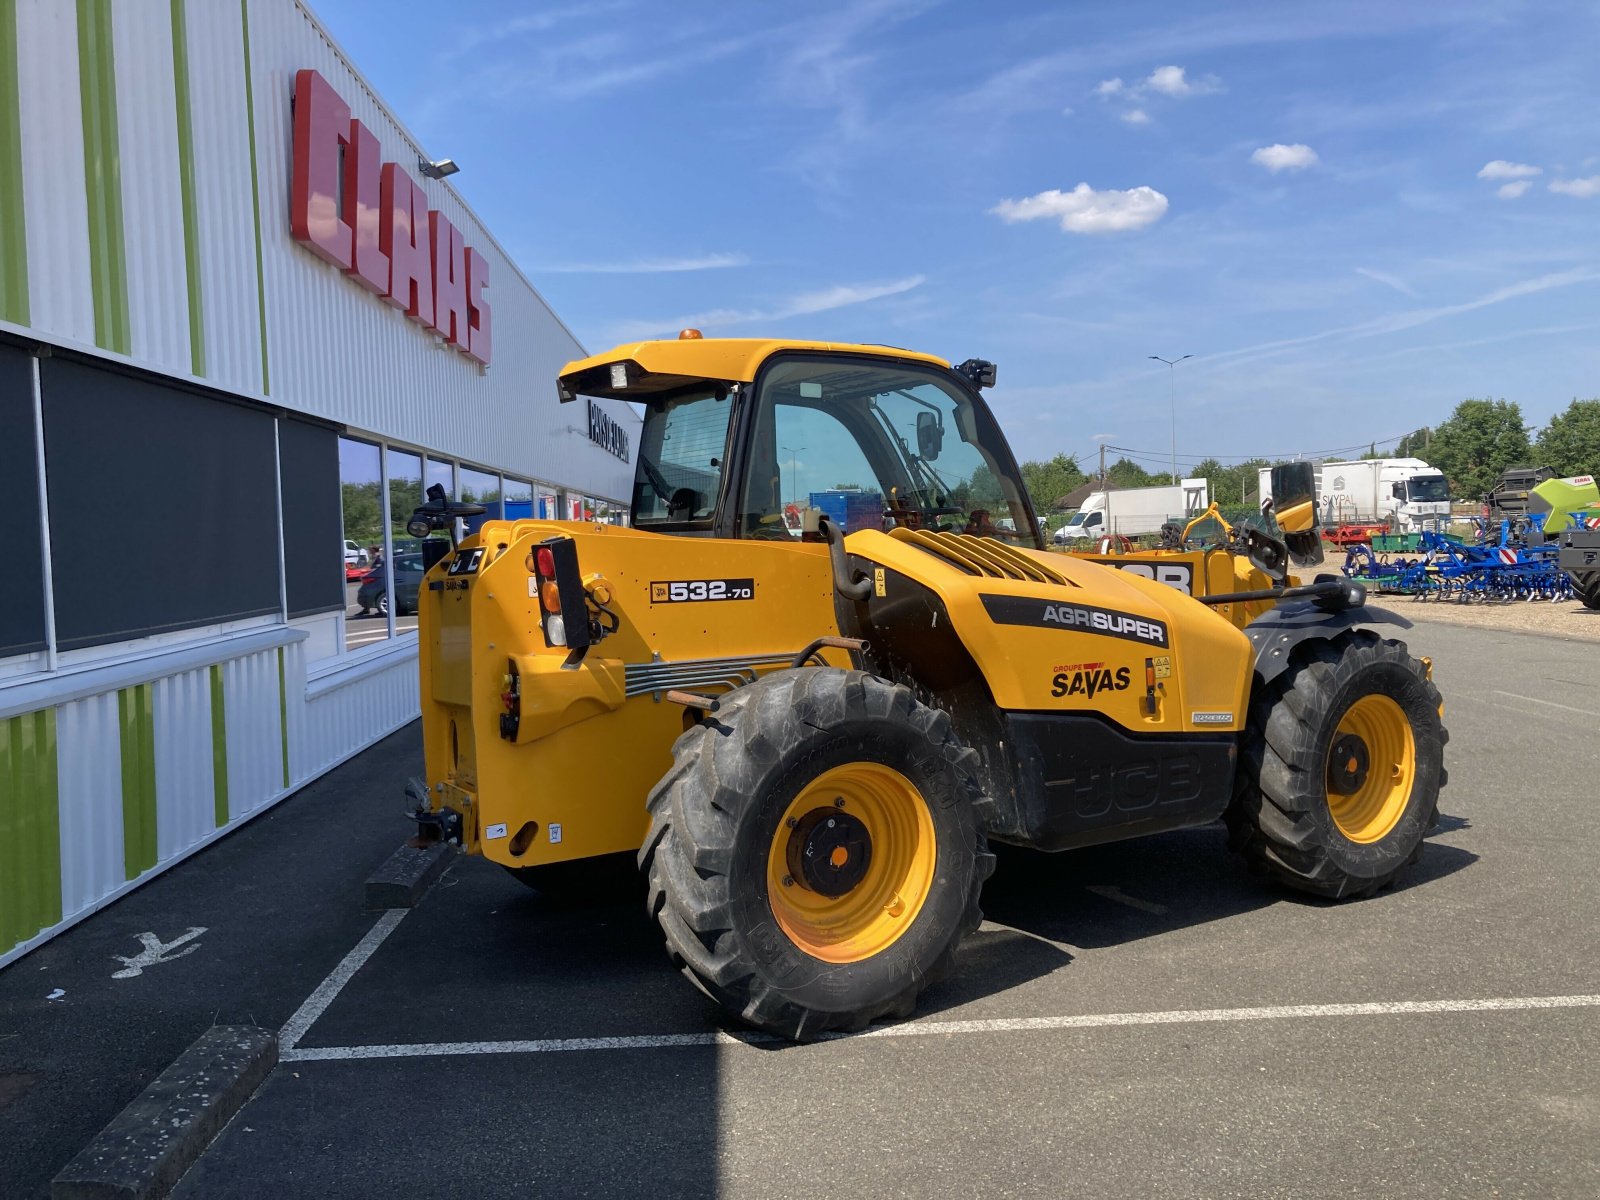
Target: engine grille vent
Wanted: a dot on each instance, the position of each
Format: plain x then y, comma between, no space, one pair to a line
983,556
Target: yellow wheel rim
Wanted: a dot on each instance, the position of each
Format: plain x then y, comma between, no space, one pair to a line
1372,764
879,854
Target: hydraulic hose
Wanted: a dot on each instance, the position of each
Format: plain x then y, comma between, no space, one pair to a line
850,589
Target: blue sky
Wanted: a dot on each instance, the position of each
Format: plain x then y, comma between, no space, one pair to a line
1354,215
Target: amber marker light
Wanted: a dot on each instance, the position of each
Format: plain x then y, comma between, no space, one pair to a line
689,335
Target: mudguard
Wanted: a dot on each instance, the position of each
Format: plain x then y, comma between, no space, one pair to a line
1276,633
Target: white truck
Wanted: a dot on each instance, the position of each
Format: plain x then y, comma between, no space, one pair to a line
1132,511
1406,493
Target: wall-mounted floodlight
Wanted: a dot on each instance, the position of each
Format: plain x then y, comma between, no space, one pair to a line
439,169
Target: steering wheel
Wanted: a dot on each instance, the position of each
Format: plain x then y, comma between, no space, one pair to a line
682,505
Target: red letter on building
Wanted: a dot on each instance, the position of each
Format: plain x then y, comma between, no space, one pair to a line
363,169
403,236
321,124
449,280
479,341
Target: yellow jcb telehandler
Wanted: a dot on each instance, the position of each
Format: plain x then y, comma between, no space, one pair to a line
832,661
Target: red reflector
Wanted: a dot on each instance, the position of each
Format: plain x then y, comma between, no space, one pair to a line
546,562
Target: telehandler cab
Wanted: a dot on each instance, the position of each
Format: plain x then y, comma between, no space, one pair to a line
832,661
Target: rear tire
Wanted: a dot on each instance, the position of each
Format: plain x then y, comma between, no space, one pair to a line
1341,767
816,852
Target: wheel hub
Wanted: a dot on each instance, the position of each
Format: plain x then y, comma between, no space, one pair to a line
829,851
1348,763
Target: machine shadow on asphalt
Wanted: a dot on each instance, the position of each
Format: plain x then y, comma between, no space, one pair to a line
592,965
1126,891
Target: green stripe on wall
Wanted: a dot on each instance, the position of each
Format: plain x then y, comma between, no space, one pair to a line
255,201
13,227
191,216
102,170
219,747
283,716
138,780
30,828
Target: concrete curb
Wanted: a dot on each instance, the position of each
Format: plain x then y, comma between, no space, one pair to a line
150,1144
410,871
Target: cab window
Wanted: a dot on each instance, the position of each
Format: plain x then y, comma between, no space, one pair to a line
683,447
875,447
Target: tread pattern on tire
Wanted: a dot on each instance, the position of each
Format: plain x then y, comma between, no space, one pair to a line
1278,817
1587,585
689,851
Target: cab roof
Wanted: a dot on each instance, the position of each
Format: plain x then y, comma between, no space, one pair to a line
655,367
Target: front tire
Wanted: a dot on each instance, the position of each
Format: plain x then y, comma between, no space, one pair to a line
815,854
1341,767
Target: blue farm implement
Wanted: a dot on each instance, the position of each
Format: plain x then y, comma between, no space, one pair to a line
1449,569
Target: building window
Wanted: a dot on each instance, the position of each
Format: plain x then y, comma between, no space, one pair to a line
22,583
517,504
404,556
438,471
481,487
361,486
121,448
308,477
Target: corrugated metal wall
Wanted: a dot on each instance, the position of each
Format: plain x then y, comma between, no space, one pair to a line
105,790
359,708
154,141
331,347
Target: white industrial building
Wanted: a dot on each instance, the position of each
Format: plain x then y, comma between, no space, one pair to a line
244,323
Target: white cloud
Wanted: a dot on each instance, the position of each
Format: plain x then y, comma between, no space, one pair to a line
1383,277
1171,81
1084,210
1279,157
1501,169
652,266
1136,116
1510,191
839,296
1583,189
1108,87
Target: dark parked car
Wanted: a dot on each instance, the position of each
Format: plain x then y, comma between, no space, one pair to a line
373,593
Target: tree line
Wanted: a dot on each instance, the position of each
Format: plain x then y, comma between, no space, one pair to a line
1478,441
1484,437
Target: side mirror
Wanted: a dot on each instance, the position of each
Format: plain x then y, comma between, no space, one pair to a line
930,436
1294,503
1294,496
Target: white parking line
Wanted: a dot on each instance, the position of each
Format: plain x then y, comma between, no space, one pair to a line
926,1028
1549,704
317,1003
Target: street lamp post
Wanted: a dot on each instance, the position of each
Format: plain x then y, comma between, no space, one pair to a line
794,475
1172,396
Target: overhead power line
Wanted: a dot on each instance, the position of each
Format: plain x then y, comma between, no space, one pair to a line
1155,455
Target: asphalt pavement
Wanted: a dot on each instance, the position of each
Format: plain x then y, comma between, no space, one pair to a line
1142,1019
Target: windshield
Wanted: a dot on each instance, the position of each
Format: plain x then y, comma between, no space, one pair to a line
1427,488
876,447
681,452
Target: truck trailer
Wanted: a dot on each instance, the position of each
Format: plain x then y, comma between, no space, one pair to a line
1404,493
1129,512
